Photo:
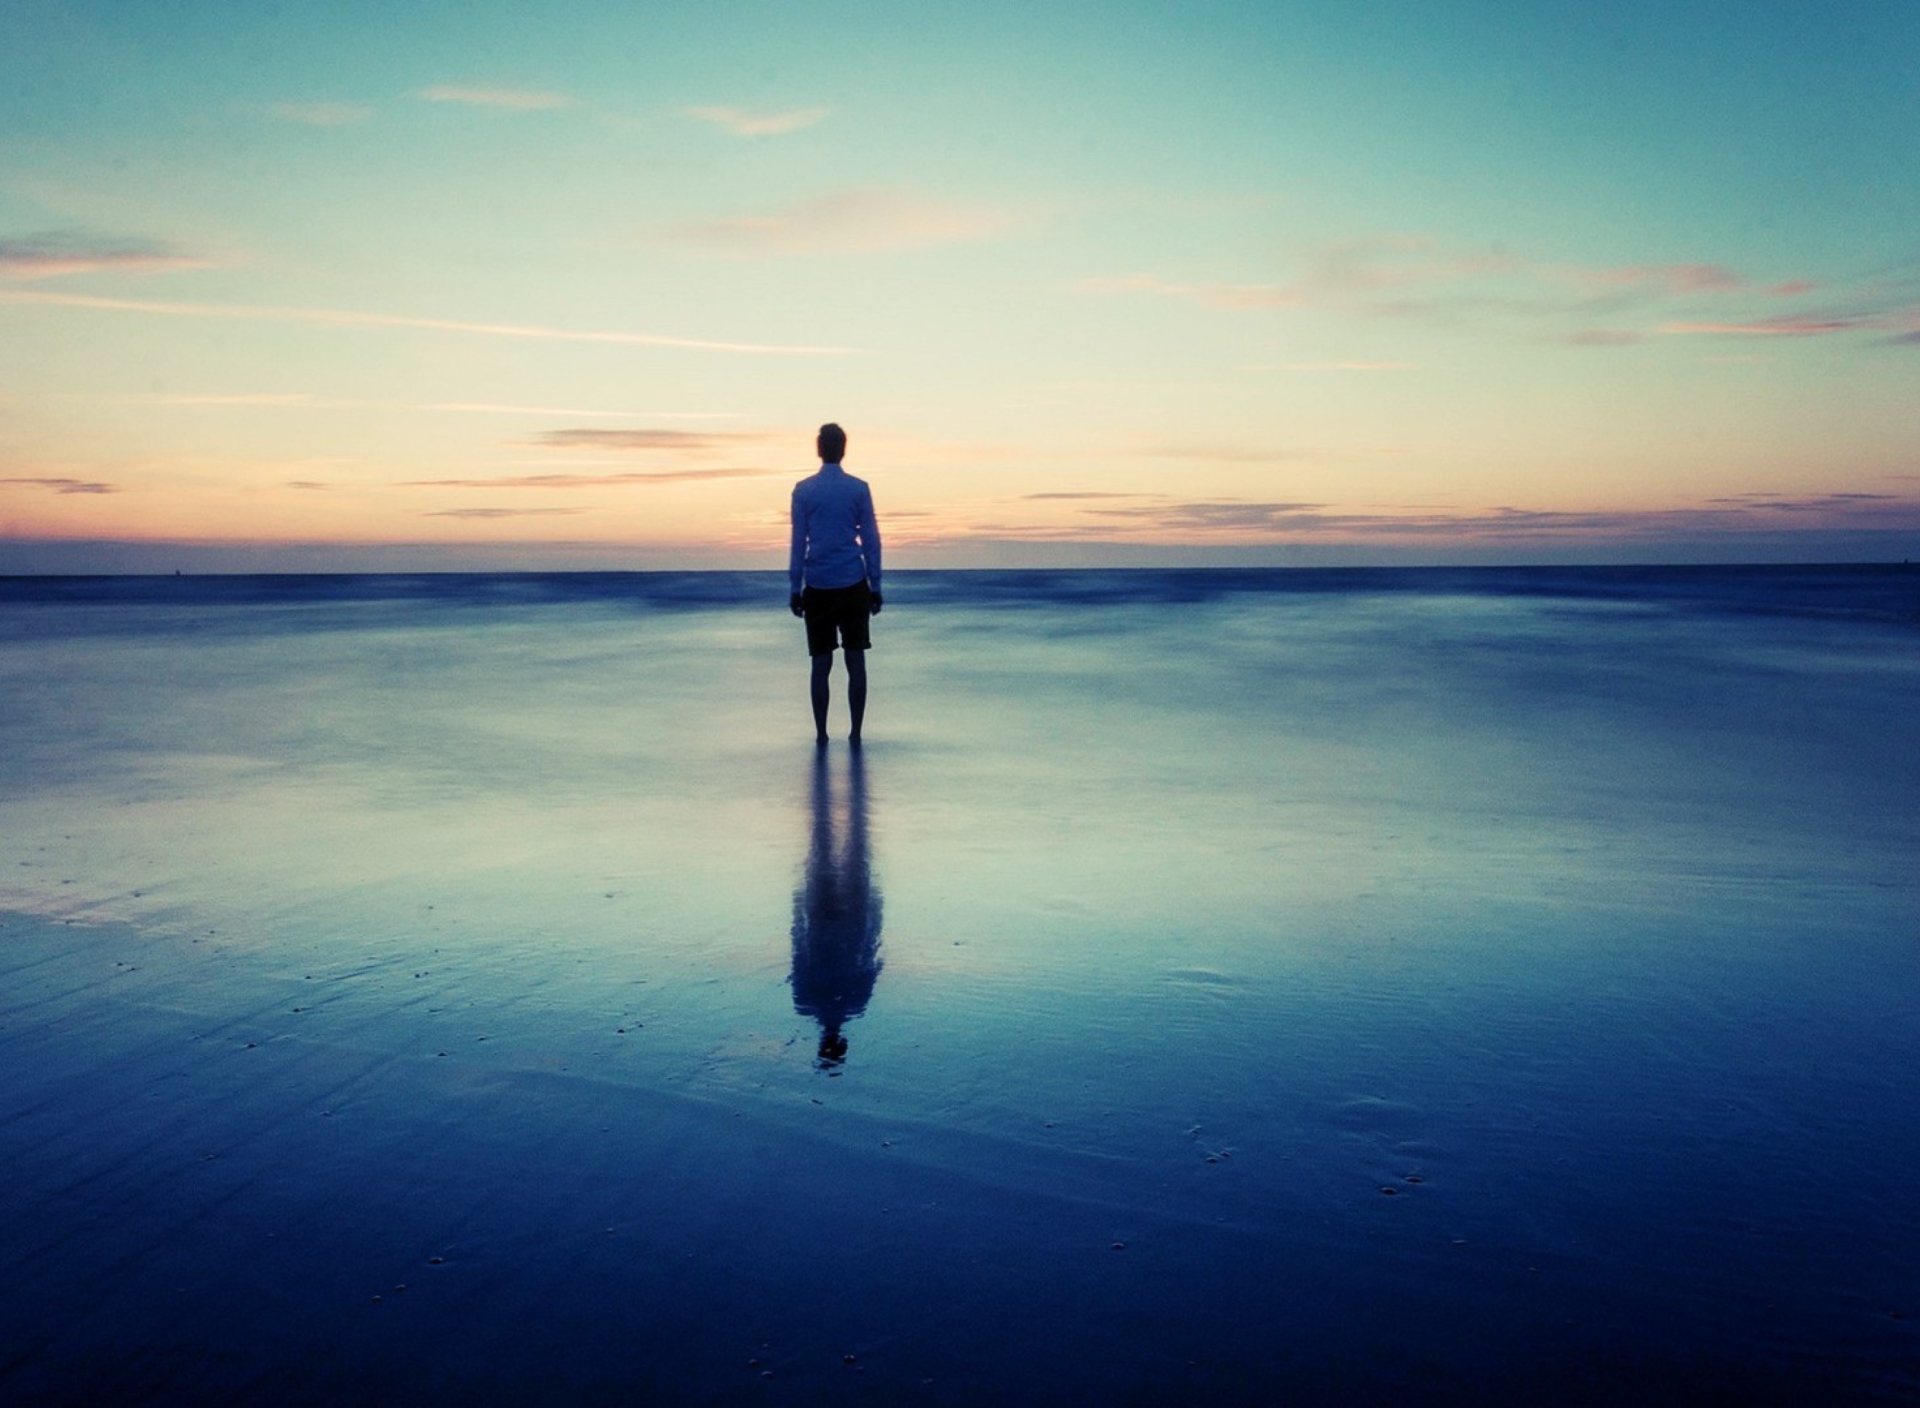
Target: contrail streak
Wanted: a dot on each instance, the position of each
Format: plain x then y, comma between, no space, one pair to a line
345,318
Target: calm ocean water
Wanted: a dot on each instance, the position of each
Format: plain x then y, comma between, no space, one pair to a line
1442,986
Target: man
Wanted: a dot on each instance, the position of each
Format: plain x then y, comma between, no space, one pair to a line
833,573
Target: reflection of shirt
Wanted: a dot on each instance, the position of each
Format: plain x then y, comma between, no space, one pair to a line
836,543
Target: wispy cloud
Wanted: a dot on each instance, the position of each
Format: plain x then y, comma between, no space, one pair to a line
1614,306
306,400
868,220
591,481
684,444
344,318
52,254
62,486
1357,272
1657,278
1211,295
497,512
1226,520
1083,494
1767,327
321,114
669,441
1215,515
505,99
244,398
1805,503
307,484
742,123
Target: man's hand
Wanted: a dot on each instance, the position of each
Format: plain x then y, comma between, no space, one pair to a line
797,604
874,603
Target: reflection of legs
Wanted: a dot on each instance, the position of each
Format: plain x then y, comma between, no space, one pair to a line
856,690
822,667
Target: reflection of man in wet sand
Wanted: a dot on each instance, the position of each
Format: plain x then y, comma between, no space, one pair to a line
833,574
836,914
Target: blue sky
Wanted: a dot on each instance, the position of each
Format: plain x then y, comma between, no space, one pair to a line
572,284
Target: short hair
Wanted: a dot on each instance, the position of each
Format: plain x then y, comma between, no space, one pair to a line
832,443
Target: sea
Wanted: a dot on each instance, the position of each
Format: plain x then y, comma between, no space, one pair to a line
1403,986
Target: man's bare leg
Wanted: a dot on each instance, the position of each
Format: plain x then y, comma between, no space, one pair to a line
822,667
856,690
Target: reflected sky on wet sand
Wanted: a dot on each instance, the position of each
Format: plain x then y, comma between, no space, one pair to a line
1192,968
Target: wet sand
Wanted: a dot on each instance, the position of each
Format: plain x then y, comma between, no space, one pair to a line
1431,993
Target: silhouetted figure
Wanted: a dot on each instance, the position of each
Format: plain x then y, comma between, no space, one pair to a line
836,913
833,574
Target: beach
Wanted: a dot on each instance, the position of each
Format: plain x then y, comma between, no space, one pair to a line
1483,985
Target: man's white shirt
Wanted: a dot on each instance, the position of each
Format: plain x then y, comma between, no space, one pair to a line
836,542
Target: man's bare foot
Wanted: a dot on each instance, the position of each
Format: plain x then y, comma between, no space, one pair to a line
820,740
853,739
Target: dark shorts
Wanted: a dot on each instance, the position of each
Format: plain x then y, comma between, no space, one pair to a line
837,616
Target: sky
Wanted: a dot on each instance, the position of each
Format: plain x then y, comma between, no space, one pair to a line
345,286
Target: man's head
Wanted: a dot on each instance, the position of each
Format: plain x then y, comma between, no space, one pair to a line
832,443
